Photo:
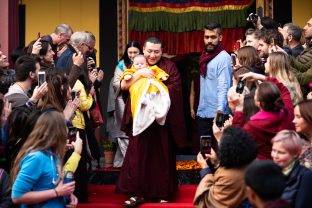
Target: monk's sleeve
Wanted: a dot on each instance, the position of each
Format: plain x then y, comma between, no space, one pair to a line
175,117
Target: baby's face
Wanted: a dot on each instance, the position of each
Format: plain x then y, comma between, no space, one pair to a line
139,63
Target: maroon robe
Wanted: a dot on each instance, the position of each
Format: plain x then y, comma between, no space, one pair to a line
149,167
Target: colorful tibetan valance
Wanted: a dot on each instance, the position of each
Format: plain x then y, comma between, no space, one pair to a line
179,23
185,15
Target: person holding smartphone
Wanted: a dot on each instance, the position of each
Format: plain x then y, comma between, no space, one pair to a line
276,112
223,185
26,69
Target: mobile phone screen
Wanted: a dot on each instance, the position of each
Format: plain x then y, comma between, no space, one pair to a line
205,144
71,134
233,56
41,77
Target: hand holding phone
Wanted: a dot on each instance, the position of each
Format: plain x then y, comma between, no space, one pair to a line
240,86
73,95
220,119
41,77
71,136
233,57
205,144
91,62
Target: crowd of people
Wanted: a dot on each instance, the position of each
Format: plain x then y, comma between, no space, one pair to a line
46,121
253,105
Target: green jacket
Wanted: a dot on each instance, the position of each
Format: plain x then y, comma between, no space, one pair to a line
306,55
303,73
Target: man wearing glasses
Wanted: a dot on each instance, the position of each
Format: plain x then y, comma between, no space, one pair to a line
79,44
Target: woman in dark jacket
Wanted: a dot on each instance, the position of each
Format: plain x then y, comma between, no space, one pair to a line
285,152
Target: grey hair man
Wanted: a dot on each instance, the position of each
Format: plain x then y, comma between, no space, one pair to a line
292,34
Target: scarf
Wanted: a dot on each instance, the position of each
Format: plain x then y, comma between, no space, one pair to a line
205,58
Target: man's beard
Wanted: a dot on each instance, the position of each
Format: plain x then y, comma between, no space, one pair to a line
211,48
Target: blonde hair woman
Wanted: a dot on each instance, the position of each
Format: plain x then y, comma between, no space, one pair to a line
278,66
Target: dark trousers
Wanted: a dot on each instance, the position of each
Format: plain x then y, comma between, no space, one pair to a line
205,128
81,174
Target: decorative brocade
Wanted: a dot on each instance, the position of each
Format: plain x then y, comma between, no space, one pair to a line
306,158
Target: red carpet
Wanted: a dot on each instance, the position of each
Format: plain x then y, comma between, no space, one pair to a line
104,196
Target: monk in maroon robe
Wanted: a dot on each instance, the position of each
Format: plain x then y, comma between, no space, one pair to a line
149,168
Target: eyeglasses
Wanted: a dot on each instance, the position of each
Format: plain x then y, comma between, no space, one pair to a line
89,47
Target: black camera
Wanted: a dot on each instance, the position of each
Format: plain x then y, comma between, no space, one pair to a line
253,18
240,86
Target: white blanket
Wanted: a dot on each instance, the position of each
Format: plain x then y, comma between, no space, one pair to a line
151,106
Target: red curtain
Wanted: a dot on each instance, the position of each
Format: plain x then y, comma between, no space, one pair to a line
187,42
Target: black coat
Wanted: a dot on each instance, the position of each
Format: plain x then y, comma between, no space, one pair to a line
298,186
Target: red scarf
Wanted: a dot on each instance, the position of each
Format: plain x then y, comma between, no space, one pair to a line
205,58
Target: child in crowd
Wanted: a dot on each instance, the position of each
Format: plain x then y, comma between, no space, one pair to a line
149,97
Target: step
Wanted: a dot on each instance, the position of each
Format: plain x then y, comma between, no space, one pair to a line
105,196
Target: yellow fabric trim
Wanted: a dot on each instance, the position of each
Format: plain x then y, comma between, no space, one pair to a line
189,9
137,89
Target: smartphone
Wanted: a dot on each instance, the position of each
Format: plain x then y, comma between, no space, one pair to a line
220,119
71,136
73,95
38,35
41,77
240,86
93,64
233,56
205,144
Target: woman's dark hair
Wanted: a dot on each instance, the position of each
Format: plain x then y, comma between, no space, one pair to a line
15,129
248,56
17,52
305,110
44,47
236,148
242,70
250,107
269,97
125,56
57,90
269,23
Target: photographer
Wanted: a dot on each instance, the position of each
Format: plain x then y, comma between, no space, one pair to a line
262,23
225,188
